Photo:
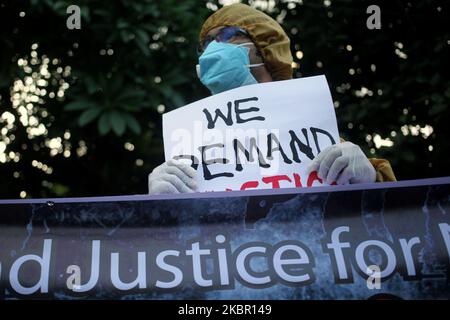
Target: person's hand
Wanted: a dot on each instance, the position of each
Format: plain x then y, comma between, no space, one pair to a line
173,176
344,163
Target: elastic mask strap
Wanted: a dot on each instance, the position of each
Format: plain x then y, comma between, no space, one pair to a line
250,65
255,65
245,44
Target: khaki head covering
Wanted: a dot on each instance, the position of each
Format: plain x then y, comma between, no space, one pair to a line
268,36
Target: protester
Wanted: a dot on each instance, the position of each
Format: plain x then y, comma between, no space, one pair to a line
240,46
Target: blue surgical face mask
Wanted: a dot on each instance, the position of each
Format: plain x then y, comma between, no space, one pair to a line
225,66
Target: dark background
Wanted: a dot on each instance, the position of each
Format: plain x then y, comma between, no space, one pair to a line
80,110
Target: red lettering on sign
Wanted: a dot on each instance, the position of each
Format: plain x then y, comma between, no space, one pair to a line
249,185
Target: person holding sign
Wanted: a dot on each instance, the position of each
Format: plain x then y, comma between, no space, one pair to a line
241,46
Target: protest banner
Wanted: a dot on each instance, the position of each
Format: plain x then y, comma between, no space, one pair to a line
331,242
254,137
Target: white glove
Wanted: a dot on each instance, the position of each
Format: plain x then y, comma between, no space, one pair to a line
344,163
173,176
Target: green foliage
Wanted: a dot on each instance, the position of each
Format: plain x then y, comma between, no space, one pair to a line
129,60
403,66
134,59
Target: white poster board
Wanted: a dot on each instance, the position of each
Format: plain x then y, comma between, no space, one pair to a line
254,137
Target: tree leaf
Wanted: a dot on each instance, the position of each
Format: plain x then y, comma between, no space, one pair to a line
117,123
88,116
104,125
177,99
142,36
132,123
143,47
